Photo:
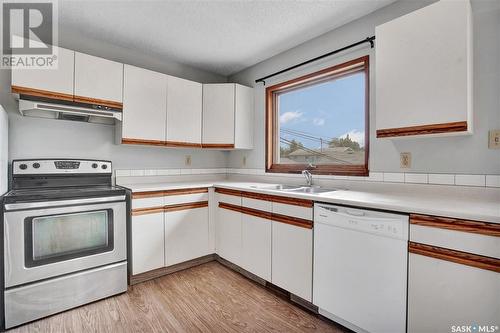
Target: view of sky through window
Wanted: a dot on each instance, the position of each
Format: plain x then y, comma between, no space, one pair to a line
324,123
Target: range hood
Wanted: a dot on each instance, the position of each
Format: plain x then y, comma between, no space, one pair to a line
68,112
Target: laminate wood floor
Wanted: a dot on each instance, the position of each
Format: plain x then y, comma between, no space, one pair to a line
206,298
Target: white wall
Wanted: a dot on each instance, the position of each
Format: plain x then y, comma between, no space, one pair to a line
441,155
35,137
3,150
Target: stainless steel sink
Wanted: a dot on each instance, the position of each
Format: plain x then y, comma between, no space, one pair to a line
278,187
294,188
312,190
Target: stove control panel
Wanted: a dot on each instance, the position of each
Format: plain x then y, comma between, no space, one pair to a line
60,166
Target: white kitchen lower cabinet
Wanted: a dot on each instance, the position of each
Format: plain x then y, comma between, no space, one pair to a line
292,256
444,294
148,239
228,237
186,235
256,245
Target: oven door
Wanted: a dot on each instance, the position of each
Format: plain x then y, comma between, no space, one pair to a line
46,242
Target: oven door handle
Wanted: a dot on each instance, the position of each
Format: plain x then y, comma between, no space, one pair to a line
59,203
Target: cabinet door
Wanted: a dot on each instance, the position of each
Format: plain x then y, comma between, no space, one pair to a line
98,80
148,242
244,117
218,114
424,74
184,110
256,245
186,235
144,105
51,83
228,237
292,259
443,294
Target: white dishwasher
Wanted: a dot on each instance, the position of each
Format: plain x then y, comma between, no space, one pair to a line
360,268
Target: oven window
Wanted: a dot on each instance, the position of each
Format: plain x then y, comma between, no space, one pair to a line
62,237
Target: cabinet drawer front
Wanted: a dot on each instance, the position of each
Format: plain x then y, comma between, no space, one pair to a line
185,198
230,199
293,211
147,202
456,240
261,205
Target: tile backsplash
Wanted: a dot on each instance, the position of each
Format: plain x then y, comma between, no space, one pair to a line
387,177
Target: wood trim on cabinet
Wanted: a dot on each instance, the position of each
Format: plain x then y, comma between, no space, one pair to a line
228,191
163,193
218,145
286,200
181,191
169,208
459,126
148,210
477,227
267,197
184,206
298,222
41,93
97,101
459,257
295,221
182,144
256,213
130,141
147,194
227,206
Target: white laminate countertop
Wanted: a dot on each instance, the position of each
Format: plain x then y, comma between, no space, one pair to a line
484,206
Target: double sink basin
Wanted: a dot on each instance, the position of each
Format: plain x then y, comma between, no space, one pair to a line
294,188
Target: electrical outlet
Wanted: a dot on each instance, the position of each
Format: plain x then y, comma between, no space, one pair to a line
244,161
187,161
405,160
494,142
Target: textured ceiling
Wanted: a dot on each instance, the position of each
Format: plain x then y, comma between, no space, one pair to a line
223,37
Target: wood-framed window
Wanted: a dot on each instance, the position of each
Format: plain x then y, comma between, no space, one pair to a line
320,122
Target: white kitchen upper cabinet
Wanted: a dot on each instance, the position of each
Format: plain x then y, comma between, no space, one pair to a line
256,245
227,116
184,112
244,117
424,72
148,241
228,235
144,106
52,83
98,80
186,235
292,253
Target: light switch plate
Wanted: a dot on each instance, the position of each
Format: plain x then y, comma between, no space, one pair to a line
405,160
494,142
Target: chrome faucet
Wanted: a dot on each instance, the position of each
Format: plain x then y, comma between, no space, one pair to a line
309,177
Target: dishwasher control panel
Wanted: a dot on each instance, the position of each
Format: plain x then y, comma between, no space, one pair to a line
370,221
